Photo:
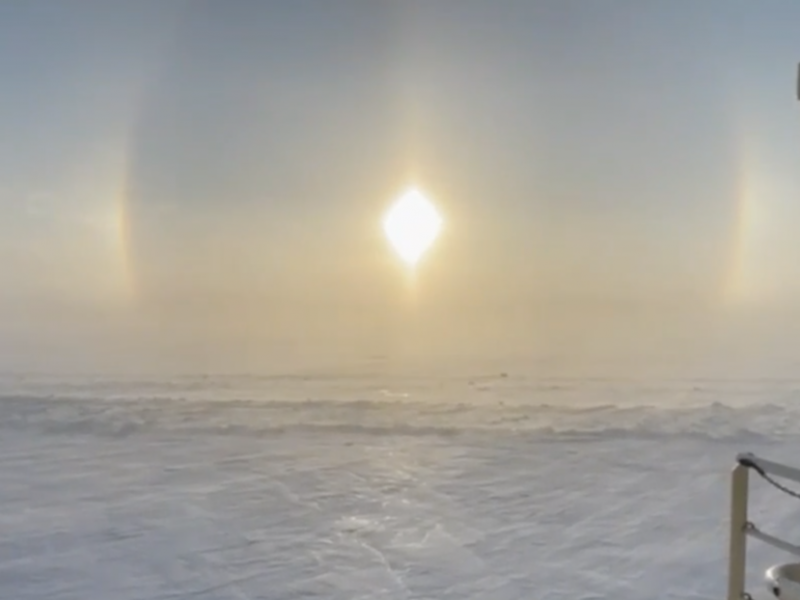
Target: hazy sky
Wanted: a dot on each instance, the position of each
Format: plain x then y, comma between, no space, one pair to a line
214,170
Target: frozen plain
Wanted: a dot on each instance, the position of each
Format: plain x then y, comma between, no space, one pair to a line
365,485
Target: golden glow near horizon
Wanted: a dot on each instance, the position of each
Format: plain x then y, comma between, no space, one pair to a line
411,226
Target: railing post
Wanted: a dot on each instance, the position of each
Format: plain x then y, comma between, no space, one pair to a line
738,535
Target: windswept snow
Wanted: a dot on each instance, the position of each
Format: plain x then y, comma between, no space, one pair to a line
488,487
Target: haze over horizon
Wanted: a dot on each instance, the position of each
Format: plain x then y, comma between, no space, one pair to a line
206,180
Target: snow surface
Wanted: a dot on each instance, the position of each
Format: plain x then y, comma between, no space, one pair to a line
369,486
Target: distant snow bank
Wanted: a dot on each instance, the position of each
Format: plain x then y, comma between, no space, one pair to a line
554,409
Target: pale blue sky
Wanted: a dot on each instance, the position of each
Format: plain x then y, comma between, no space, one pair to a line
233,158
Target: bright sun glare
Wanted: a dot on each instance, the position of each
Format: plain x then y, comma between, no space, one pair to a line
411,226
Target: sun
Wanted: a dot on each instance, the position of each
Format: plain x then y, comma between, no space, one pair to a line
411,226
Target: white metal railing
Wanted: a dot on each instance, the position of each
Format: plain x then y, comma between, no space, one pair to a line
741,527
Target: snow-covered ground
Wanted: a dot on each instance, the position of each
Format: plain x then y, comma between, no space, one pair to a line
370,486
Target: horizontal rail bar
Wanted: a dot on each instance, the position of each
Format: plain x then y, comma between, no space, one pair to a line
773,541
769,466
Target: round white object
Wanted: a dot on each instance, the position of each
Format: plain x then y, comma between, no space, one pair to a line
783,581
